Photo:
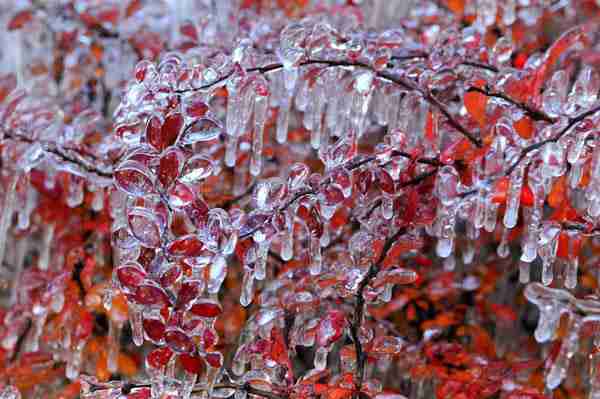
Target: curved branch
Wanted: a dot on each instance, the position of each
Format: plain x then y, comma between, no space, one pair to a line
398,80
89,165
350,167
534,113
572,122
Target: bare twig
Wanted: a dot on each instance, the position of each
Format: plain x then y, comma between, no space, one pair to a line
89,165
572,122
398,80
534,113
359,310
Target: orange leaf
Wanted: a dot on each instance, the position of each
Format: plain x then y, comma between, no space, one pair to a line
338,393
558,192
500,190
476,103
524,127
20,19
456,6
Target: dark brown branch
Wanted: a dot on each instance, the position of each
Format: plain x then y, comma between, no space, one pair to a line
127,387
481,65
572,122
351,166
359,310
398,80
229,203
253,391
21,340
89,165
533,113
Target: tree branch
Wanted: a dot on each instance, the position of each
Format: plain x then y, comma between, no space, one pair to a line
89,165
572,122
398,80
534,113
351,166
359,310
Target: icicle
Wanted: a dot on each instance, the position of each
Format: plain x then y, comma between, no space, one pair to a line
578,146
559,368
332,91
480,206
240,105
261,107
247,288
321,358
283,120
10,198
514,197
46,246
74,191
379,106
10,392
571,273
74,363
445,244
393,109
303,99
231,151
22,244
316,114
503,249
592,193
241,394
530,238
572,263
554,96
491,215
575,174
135,319
315,255
361,97
25,211
239,180
387,207
524,272
217,273
468,253
114,343
548,244
472,236
449,263
584,91
98,200
548,323
287,240
326,236
290,77
262,253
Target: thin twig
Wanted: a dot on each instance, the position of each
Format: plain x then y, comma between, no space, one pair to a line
351,166
253,391
359,310
398,80
89,165
572,122
534,113
127,387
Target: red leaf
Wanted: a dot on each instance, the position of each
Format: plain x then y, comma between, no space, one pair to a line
20,19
